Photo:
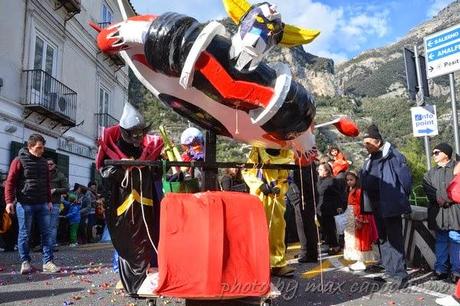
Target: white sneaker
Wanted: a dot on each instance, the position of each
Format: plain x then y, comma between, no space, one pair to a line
50,267
357,266
73,245
447,301
26,268
119,285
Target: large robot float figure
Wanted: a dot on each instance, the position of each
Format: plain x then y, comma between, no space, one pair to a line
217,81
222,84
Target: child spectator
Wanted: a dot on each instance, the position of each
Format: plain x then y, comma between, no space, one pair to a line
330,200
360,231
192,144
73,215
339,161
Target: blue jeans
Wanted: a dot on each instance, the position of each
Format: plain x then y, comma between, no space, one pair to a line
454,251
447,250
42,215
54,223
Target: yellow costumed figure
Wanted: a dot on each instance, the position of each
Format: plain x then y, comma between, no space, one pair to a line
271,185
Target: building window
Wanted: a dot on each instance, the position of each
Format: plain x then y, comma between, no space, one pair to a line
104,101
103,117
106,14
44,58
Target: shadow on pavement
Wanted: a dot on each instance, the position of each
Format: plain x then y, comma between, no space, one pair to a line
16,296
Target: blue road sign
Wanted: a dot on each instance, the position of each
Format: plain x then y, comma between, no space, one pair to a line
443,39
444,51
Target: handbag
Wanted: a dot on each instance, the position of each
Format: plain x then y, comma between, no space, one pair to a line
188,185
5,223
340,222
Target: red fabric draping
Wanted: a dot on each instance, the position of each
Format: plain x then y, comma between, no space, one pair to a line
213,245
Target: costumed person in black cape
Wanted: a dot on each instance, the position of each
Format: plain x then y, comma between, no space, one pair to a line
133,213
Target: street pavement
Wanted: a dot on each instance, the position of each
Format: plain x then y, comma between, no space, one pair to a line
87,279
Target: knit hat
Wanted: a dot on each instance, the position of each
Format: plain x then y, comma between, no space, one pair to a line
72,197
444,148
191,136
373,132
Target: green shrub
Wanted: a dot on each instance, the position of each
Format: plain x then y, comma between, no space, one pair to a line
415,155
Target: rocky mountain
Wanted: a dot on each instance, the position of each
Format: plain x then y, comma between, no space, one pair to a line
381,73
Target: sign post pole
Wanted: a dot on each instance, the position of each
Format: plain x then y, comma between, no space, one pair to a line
421,101
454,111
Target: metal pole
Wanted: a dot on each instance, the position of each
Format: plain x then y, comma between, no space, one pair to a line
203,164
454,111
210,154
420,97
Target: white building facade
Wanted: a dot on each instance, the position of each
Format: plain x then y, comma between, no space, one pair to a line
54,81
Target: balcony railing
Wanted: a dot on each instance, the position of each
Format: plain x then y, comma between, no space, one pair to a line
47,96
104,25
104,120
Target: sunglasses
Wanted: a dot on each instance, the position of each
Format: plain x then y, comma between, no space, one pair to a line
436,153
50,164
136,134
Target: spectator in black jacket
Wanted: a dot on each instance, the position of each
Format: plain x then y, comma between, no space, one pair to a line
307,230
233,181
59,186
443,215
28,183
329,204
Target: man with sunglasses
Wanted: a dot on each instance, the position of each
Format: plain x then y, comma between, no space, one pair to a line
443,216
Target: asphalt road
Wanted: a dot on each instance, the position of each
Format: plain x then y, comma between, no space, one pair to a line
87,279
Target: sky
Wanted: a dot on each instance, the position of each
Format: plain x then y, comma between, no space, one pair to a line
348,27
